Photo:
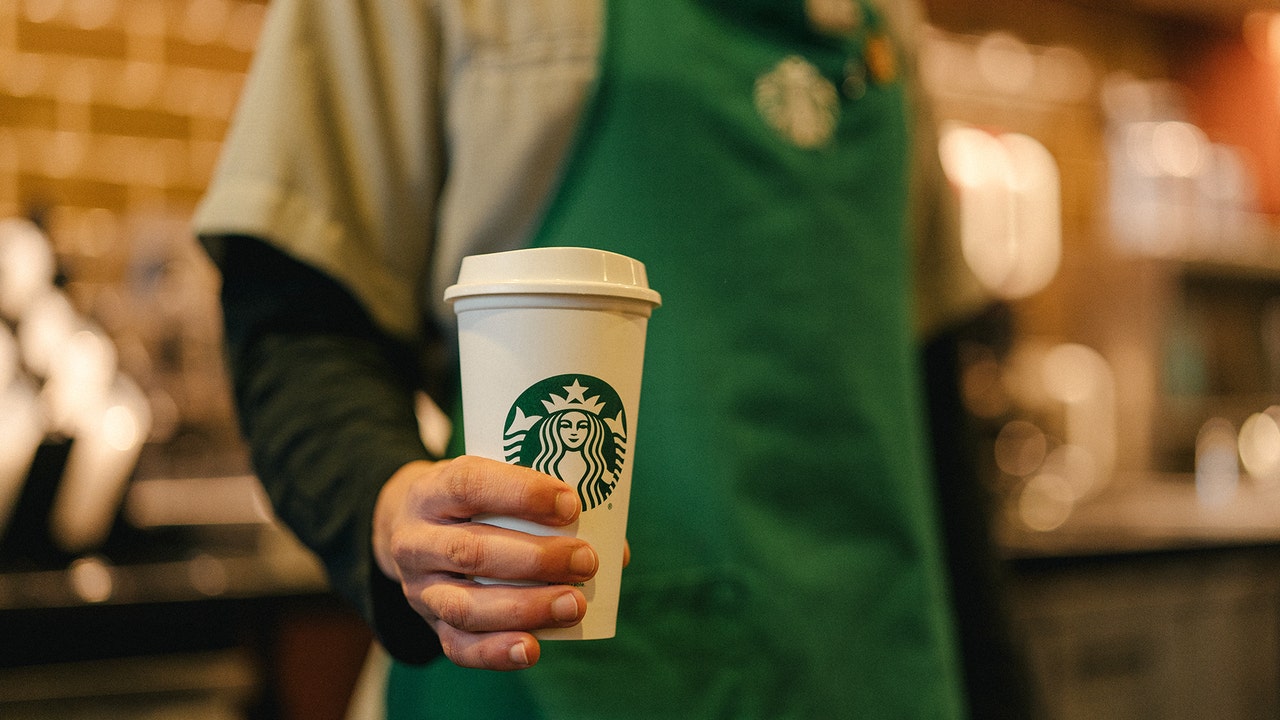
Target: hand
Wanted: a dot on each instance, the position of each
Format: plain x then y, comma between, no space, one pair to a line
424,538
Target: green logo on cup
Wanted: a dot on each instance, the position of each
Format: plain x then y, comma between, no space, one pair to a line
572,427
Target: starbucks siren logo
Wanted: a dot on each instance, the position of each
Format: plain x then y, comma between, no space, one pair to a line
572,427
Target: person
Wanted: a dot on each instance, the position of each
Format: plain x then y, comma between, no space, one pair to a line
758,157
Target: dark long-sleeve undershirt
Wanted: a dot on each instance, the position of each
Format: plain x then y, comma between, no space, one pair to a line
326,403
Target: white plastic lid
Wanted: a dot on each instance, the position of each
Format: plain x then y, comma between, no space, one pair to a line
553,271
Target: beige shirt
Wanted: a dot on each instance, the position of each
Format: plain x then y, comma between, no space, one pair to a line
383,140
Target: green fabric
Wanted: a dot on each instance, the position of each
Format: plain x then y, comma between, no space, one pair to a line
785,559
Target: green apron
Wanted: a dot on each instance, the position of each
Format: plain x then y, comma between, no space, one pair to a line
785,561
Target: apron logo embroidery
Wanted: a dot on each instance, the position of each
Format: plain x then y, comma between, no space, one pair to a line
555,428
798,102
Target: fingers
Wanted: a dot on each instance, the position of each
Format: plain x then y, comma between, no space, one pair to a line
483,550
475,608
469,486
482,626
424,536
494,651
423,496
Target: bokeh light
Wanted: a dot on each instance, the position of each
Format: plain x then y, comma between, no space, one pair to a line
1006,63
1259,445
120,428
91,579
1020,448
1262,35
1010,208
1217,473
1046,502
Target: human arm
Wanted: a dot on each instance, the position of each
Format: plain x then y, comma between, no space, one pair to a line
336,158
325,402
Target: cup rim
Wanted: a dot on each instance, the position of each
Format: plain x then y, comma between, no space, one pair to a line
553,271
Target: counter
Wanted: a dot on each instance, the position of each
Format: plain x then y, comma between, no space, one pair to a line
199,605
1153,513
1148,603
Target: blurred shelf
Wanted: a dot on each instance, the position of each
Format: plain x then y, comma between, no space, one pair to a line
1150,514
1261,265
232,563
1220,10
197,685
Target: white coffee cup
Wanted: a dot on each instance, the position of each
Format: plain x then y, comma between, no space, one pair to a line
551,343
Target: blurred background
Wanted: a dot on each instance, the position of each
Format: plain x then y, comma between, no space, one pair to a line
1117,170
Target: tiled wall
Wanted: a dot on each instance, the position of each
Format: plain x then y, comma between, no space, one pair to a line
111,109
111,118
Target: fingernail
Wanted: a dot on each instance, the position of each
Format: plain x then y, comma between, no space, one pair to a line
566,505
583,561
565,608
518,654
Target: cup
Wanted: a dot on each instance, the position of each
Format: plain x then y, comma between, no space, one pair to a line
551,343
